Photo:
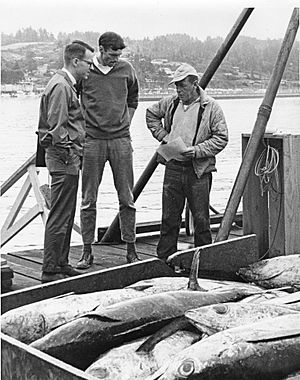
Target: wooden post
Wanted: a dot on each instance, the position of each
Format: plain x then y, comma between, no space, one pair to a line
273,216
259,127
113,232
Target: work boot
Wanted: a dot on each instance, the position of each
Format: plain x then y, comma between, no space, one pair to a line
49,277
70,271
131,256
86,259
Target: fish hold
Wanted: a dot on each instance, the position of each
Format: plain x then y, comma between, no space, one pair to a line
265,350
274,273
125,363
82,340
31,322
214,318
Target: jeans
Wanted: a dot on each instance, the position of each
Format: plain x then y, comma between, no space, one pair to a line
118,152
64,170
181,183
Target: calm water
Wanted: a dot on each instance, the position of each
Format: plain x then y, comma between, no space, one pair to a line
18,140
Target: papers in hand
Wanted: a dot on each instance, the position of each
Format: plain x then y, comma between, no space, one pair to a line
172,149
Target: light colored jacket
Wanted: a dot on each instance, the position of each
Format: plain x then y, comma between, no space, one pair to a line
61,121
212,135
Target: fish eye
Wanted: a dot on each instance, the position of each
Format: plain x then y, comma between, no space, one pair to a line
221,309
187,368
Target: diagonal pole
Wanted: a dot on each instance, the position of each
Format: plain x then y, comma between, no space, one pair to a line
113,232
259,128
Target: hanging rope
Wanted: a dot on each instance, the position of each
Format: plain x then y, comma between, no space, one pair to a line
266,169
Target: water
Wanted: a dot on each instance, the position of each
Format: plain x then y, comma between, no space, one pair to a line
19,118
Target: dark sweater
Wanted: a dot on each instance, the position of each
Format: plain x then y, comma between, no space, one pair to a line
106,99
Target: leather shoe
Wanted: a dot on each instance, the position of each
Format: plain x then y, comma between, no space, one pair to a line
85,262
132,259
132,256
49,277
70,271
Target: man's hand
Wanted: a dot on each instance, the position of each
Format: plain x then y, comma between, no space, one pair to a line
190,152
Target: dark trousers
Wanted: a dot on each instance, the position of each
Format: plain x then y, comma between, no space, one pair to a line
181,183
62,211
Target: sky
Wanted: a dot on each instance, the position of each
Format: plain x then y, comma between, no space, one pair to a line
148,18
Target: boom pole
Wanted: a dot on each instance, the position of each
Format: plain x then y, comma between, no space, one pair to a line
259,128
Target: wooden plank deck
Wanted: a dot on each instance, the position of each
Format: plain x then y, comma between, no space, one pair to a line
27,265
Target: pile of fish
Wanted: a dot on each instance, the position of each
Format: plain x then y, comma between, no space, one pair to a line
174,327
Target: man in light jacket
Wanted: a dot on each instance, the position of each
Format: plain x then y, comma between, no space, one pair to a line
61,133
198,120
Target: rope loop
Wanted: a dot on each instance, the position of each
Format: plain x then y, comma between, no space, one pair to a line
266,169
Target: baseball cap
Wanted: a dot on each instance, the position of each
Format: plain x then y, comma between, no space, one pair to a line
182,72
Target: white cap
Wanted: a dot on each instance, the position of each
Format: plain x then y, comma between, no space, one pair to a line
182,72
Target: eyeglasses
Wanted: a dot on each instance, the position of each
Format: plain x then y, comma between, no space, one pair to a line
86,61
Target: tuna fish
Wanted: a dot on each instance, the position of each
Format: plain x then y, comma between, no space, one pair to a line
31,322
82,340
214,318
162,284
165,284
286,299
274,273
265,350
270,295
126,363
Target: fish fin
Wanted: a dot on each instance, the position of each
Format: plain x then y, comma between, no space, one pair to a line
157,374
179,323
193,283
101,316
140,288
263,335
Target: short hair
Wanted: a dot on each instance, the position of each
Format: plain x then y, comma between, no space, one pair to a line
76,49
111,40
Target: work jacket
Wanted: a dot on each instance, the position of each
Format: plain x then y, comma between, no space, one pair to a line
211,137
61,121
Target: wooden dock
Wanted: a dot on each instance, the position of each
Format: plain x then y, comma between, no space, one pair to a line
27,265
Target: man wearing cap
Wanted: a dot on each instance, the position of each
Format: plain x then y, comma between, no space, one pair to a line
109,98
199,121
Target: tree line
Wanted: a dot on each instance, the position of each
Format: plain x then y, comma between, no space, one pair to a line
249,55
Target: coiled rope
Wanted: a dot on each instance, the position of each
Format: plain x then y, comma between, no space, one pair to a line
266,169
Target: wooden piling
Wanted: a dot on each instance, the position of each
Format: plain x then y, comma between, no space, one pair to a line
259,127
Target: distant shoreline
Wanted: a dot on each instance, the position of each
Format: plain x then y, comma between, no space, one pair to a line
155,97
147,98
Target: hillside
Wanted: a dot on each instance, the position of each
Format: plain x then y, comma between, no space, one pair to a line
248,64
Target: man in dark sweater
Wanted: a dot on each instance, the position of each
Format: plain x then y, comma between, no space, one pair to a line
109,100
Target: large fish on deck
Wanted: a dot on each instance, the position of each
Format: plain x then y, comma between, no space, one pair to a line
126,363
81,341
274,273
166,284
265,350
33,321
214,318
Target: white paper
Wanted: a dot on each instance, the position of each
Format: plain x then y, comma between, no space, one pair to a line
172,149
